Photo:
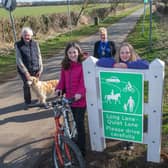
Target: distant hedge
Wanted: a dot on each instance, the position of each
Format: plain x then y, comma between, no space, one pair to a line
46,24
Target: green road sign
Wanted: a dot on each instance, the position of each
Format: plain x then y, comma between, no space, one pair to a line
122,105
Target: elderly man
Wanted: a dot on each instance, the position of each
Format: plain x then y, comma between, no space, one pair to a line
28,60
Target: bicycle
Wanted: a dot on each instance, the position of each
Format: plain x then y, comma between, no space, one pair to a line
65,152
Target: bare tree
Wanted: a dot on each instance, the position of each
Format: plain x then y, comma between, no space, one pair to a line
114,4
84,6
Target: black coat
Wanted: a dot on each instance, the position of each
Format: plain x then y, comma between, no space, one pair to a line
29,53
112,47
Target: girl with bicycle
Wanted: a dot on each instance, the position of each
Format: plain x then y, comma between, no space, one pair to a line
126,57
72,84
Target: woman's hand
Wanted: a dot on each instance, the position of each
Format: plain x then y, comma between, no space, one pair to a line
120,65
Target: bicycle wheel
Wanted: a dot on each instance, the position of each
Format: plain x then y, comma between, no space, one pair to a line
71,155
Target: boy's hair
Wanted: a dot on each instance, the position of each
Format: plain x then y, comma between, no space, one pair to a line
134,55
66,61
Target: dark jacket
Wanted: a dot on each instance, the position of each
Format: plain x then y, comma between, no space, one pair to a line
28,56
110,49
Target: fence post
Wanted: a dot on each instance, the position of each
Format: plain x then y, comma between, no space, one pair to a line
94,114
156,80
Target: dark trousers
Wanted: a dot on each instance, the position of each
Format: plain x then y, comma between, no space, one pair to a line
26,87
79,115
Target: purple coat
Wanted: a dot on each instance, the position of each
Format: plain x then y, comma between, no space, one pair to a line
138,64
72,82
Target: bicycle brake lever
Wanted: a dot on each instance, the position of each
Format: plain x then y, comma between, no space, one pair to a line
71,100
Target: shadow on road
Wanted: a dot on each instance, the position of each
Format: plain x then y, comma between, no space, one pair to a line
13,108
24,157
26,117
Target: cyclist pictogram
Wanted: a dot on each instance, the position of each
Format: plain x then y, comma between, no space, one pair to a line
129,88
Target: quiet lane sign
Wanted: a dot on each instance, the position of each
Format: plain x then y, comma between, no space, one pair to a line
122,105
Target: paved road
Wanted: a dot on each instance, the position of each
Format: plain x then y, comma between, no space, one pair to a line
25,134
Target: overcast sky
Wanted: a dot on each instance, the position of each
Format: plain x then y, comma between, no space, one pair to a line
34,0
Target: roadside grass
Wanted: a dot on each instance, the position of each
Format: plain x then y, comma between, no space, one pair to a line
159,50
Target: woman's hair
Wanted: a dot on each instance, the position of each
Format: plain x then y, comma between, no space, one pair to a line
66,61
134,55
26,30
103,30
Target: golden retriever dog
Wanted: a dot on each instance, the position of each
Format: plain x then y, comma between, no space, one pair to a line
42,89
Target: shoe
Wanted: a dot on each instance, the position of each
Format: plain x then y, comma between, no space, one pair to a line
128,146
34,102
131,147
26,106
125,145
125,148
30,105
83,153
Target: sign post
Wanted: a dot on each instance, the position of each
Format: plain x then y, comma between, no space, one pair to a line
10,6
121,95
150,32
69,16
145,2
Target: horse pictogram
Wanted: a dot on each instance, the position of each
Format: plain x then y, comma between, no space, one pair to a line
113,97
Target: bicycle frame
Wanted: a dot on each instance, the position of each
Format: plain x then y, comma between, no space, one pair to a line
61,110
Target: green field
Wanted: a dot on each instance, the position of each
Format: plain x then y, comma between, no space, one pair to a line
40,10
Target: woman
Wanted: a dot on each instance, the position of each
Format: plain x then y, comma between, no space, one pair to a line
104,47
126,57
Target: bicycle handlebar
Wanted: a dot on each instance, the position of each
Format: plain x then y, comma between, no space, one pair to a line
69,100
63,100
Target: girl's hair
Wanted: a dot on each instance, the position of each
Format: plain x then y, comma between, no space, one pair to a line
134,55
66,61
26,30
